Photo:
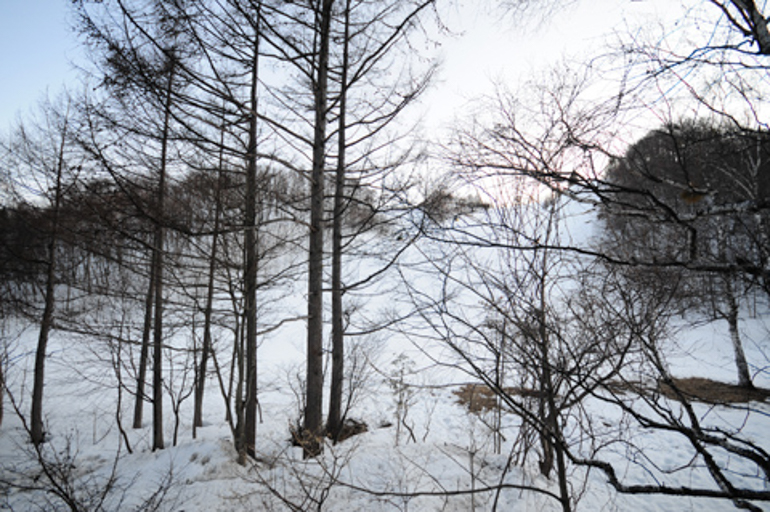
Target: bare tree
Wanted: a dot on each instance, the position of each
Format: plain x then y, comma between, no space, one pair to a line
207,347
43,164
565,140
371,41
508,308
313,421
140,54
37,429
334,420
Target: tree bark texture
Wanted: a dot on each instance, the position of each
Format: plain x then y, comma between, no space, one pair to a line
742,366
158,261
313,425
250,269
335,419
144,351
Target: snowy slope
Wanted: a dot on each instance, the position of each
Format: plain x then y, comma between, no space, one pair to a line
431,463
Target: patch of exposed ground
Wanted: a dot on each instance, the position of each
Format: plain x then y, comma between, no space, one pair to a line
713,392
480,397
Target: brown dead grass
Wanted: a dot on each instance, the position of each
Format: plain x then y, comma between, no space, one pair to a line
479,397
713,392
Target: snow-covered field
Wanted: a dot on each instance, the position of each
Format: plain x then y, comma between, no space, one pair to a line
434,460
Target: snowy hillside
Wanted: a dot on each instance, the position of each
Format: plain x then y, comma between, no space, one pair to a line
423,451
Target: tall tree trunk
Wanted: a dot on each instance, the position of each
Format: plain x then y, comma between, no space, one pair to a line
37,429
158,247
334,422
247,444
313,427
208,308
145,350
250,281
551,435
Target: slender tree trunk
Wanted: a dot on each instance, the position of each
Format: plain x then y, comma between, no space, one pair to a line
314,381
157,338
550,434
545,411
561,463
240,401
247,444
145,350
235,364
208,309
37,428
499,384
157,342
334,423
553,440
200,384
38,434
744,375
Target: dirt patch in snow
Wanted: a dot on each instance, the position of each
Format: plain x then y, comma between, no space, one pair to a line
480,397
713,392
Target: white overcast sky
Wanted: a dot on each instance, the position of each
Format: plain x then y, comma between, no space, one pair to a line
37,49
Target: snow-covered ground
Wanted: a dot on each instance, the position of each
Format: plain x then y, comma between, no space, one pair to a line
432,463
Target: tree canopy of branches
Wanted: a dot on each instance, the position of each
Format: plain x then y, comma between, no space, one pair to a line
686,205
